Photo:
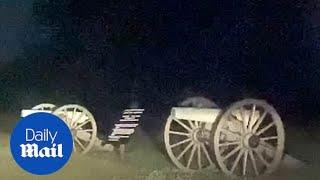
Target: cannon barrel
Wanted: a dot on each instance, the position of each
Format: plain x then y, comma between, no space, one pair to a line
208,115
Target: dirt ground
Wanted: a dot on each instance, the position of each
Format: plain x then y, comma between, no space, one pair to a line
146,161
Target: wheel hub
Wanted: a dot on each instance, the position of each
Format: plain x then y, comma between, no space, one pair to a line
254,141
201,135
251,141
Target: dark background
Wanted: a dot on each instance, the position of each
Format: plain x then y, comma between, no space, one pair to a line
105,54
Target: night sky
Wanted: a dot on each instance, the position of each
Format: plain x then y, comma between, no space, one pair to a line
100,53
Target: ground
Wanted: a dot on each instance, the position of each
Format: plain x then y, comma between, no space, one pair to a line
145,160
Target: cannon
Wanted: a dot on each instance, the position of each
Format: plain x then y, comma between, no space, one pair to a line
83,126
245,139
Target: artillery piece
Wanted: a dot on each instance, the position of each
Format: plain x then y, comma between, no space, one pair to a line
84,128
246,139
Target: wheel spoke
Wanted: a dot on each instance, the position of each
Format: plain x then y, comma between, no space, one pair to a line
73,113
65,112
79,118
244,166
179,133
259,121
199,157
265,128
206,153
267,146
254,164
269,138
79,143
185,150
237,160
251,120
179,143
183,125
229,143
198,124
82,124
261,158
193,126
85,130
191,155
232,152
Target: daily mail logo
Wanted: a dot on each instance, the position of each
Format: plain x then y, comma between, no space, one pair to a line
33,150
41,143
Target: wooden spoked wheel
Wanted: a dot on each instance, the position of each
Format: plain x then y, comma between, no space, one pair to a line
82,125
249,139
45,106
187,144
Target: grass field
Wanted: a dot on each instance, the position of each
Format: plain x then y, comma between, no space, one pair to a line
145,160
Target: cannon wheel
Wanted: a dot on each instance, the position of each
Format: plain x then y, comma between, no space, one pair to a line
44,106
82,125
187,144
249,139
